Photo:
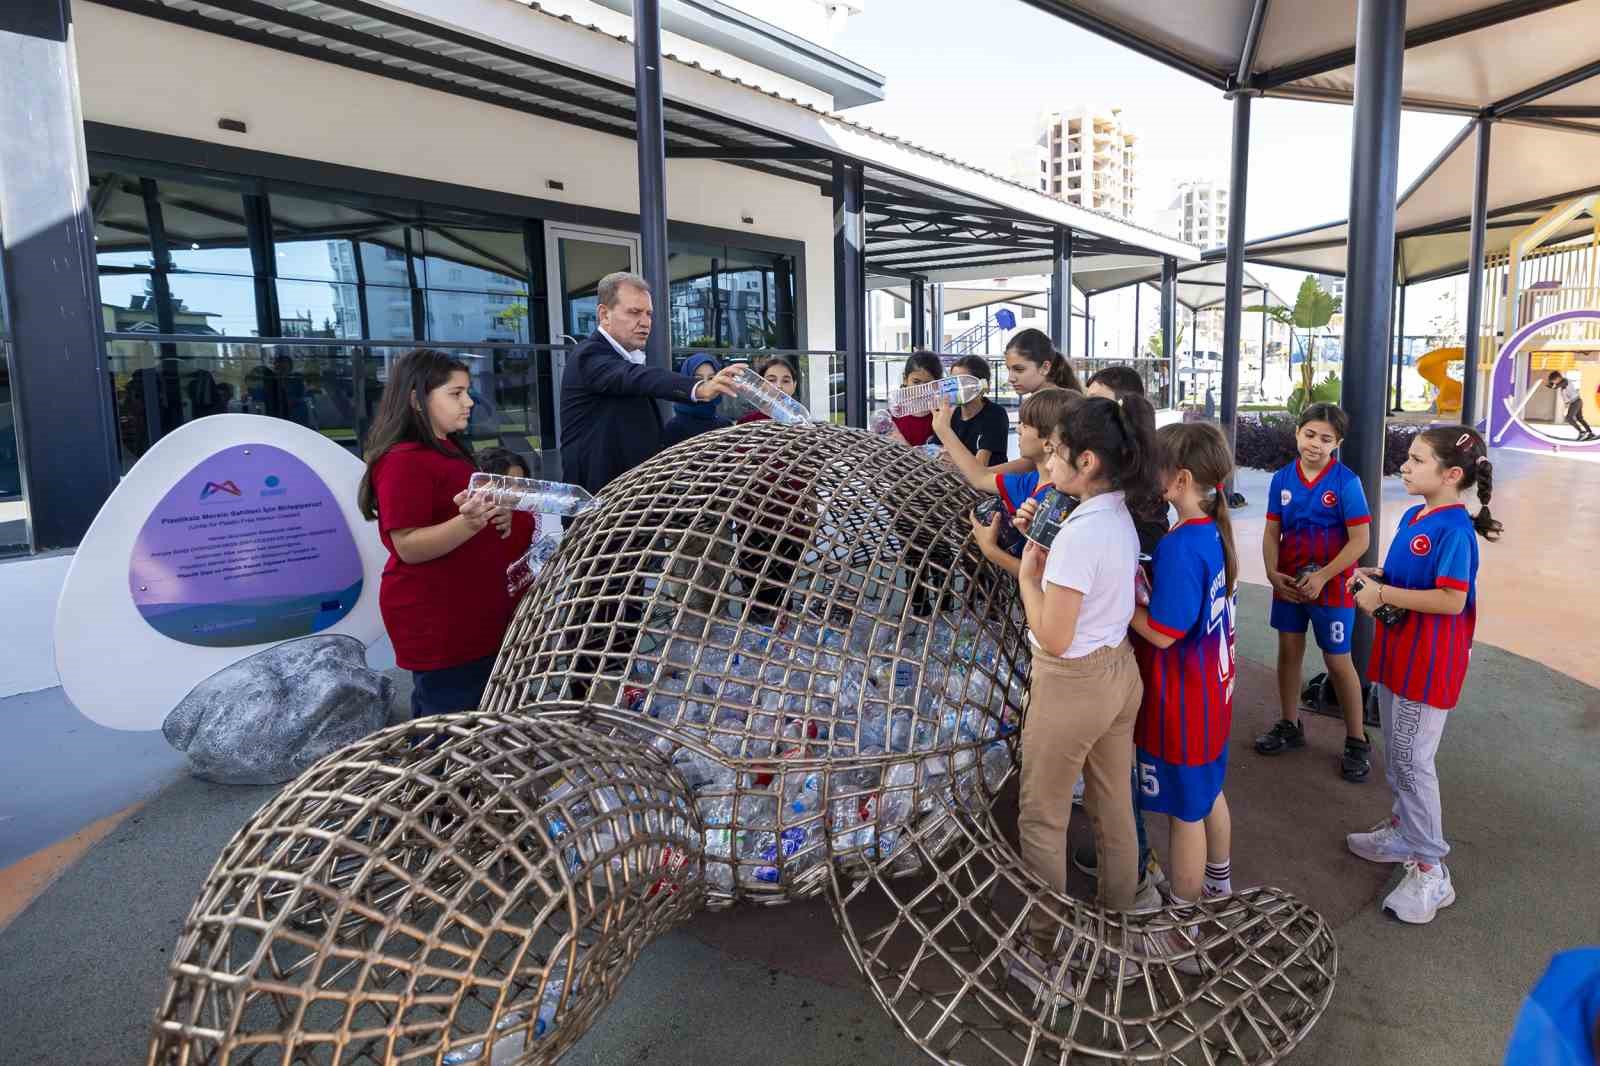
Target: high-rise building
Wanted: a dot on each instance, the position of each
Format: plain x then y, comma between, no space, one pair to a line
1198,214
1087,156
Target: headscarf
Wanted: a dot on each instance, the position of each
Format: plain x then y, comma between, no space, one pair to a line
704,409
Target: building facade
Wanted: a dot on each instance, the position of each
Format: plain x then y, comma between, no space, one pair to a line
1198,214
1087,156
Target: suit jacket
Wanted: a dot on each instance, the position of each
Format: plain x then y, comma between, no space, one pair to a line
609,419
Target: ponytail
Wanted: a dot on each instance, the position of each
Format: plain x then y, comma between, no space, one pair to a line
1121,434
1201,449
1037,348
1464,448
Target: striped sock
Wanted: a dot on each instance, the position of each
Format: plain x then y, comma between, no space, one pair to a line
1219,878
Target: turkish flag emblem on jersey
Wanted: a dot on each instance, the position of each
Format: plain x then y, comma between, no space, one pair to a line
1421,545
1329,499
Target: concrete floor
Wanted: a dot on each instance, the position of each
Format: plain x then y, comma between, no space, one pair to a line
82,968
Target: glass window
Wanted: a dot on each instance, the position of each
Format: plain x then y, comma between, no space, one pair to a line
476,316
480,260
311,237
13,508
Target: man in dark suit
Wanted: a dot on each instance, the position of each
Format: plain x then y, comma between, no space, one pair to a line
609,419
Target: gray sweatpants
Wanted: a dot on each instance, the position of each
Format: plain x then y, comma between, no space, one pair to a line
1411,733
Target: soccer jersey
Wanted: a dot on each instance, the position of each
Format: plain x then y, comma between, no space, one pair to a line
1017,489
1424,658
1313,519
1188,685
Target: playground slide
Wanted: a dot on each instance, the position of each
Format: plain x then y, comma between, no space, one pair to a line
1432,368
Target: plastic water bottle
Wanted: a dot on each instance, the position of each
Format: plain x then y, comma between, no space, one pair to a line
520,574
925,398
932,449
770,400
530,494
882,423
507,1049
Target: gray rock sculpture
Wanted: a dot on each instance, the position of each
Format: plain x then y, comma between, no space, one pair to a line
264,719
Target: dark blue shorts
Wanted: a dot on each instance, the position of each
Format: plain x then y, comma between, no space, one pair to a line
1187,793
452,689
1331,625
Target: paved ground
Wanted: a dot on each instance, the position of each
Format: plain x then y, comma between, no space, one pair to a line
81,970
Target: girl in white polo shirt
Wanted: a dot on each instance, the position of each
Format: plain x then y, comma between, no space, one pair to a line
1085,690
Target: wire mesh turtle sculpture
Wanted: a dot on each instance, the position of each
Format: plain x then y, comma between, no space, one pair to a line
771,665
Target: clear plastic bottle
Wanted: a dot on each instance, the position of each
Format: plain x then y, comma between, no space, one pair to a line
520,574
530,494
882,423
507,1049
768,399
925,398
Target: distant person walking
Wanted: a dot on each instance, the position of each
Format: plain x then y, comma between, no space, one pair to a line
609,420
1211,404
1569,401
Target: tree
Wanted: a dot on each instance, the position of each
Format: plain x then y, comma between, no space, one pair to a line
1314,307
1152,344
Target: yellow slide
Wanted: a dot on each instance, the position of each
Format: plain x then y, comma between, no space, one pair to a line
1432,368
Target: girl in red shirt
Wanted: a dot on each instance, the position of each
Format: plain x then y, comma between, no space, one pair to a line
921,368
443,595
781,373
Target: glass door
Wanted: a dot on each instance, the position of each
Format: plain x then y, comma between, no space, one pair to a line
576,259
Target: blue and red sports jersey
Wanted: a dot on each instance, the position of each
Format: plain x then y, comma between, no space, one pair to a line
1425,657
1313,521
1016,489
1188,686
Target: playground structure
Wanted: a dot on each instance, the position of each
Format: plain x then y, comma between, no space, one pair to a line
1542,298
1435,369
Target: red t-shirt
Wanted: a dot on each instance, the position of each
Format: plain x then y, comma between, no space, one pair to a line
916,429
754,416
450,610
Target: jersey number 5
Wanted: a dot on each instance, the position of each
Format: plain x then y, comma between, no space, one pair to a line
1149,783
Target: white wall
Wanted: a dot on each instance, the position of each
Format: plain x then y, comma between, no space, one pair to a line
29,589
146,74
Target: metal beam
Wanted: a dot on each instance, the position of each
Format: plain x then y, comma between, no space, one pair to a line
1252,41
1432,32
1169,325
1233,295
743,152
1480,204
1544,89
1400,352
937,340
1061,291
919,313
1370,266
1544,111
652,174
65,423
1074,14
849,287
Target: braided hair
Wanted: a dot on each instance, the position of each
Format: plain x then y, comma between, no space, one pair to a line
1463,447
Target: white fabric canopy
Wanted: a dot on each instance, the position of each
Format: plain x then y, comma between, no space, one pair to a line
1462,55
1530,169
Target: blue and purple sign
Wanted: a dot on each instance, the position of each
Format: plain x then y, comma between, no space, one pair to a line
249,547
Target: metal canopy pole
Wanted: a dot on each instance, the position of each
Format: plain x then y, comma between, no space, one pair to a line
65,425
652,146
1233,294
1169,325
1400,352
936,340
1370,268
1061,290
849,285
919,313
1138,286
1480,211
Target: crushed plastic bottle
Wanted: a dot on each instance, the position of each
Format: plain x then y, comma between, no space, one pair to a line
531,494
932,449
770,400
520,574
507,1049
925,398
882,423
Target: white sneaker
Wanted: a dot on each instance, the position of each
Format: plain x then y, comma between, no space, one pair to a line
1077,793
1421,893
1041,978
1382,844
1168,945
1108,965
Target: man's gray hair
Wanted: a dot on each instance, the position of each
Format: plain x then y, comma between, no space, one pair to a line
612,282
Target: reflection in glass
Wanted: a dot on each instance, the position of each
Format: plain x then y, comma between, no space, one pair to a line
318,309
583,264
727,297
477,316
475,259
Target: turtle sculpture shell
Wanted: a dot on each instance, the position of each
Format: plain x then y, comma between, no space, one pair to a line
770,665
798,619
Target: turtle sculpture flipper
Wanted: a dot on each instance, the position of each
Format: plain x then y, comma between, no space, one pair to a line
444,887
772,665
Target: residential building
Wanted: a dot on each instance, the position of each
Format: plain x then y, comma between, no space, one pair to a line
1198,214
1088,156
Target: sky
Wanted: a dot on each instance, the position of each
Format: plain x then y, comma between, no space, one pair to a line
972,80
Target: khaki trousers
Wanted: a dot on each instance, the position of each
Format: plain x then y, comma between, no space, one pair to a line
1080,718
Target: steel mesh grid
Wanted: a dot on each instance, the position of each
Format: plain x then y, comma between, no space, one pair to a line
798,617
438,882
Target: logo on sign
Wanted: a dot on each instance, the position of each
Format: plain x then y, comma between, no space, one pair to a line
214,487
1329,499
1421,545
273,487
